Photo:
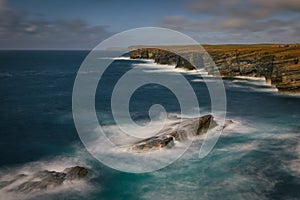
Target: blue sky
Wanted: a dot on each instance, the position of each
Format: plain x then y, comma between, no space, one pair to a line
82,24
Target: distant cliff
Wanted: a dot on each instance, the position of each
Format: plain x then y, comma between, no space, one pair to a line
162,56
279,64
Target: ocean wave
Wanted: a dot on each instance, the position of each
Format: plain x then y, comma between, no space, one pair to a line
5,74
287,94
251,81
96,72
252,84
114,148
218,170
152,67
200,80
239,126
294,165
243,147
251,78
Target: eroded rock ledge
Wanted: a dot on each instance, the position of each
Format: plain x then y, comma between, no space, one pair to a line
278,64
185,129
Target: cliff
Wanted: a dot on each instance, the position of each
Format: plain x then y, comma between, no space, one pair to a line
279,64
162,56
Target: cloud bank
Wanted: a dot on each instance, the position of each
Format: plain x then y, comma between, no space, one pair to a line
21,30
237,21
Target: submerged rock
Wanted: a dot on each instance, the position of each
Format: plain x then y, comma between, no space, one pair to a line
44,179
185,129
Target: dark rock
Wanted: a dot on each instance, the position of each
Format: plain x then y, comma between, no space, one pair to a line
153,143
6,183
185,129
75,173
162,56
206,122
46,179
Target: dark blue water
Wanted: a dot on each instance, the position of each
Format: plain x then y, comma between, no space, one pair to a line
256,158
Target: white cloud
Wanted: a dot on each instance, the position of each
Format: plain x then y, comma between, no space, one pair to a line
18,30
236,30
244,8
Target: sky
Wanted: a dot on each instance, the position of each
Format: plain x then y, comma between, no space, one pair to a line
82,24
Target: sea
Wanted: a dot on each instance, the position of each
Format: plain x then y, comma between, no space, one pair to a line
255,157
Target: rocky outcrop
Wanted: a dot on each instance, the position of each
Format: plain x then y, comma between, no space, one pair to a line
278,64
166,139
162,56
43,180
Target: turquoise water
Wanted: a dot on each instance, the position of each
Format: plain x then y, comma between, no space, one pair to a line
258,157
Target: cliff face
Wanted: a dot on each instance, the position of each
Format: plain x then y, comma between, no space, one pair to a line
161,56
288,79
279,65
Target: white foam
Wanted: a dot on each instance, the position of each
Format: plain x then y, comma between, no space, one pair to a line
151,66
239,126
114,58
296,95
210,185
66,190
204,80
253,84
117,154
244,147
272,89
89,72
294,164
118,137
122,58
249,81
251,78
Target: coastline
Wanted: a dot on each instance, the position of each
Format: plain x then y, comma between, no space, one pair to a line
278,66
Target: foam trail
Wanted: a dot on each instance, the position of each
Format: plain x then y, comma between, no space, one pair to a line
122,58
152,67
